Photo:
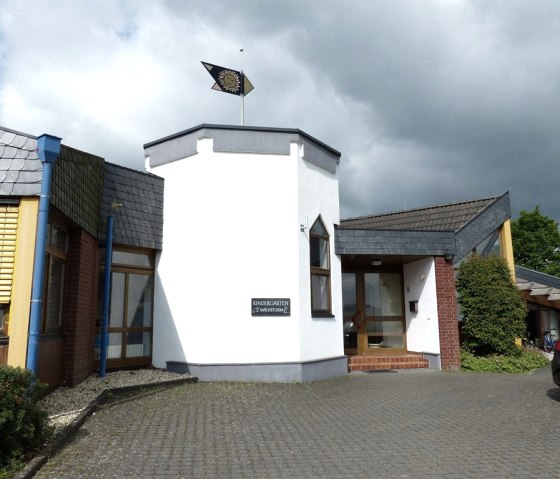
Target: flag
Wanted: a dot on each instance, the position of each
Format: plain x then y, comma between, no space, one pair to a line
229,81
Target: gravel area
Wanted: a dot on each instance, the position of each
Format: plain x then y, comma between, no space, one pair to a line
65,404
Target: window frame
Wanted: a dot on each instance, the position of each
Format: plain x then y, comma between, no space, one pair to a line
317,271
4,319
52,252
125,329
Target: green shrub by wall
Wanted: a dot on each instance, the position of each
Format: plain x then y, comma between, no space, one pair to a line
526,361
23,425
492,308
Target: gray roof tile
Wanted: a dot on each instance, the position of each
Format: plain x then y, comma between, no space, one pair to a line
20,166
450,217
23,189
139,222
10,152
7,137
19,141
6,188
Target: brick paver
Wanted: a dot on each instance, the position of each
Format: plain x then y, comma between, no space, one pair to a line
410,424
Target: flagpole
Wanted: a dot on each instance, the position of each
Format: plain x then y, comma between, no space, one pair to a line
242,108
242,91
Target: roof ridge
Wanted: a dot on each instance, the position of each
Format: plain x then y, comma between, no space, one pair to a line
494,198
134,170
27,135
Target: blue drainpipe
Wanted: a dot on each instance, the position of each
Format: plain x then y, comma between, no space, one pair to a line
104,343
48,148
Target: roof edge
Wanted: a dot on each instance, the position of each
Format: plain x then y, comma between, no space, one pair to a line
537,277
242,128
487,207
430,207
33,137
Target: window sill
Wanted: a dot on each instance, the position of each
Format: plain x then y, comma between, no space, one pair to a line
322,315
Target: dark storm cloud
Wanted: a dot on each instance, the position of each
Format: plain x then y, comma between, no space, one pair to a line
460,98
429,102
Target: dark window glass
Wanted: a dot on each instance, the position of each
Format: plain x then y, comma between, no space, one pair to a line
55,293
4,313
320,268
117,300
140,294
142,260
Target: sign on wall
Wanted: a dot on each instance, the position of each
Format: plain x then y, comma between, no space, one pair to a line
270,306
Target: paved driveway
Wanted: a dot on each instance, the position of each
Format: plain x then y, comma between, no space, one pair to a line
412,424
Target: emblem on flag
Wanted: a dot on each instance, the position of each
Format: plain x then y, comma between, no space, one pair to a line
228,81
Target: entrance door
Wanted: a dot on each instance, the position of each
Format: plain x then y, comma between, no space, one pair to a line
373,313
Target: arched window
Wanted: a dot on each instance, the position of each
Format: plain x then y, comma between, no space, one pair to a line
320,269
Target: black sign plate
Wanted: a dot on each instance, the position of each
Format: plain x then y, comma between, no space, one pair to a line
270,306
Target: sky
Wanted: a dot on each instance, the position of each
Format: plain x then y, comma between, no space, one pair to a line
429,101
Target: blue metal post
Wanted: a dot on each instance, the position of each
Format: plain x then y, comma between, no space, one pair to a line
106,299
48,148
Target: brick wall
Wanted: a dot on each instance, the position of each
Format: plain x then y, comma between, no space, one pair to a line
80,311
447,313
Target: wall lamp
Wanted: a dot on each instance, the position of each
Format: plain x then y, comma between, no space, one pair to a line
376,262
448,257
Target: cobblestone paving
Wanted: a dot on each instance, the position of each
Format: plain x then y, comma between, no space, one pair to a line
384,425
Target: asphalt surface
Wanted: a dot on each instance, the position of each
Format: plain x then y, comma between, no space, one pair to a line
411,424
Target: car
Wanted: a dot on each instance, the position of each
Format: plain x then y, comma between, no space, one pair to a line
555,364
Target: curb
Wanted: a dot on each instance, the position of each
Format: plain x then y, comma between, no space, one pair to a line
33,466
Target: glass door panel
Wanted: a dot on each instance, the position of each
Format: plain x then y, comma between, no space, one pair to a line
349,307
383,294
385,334
384,319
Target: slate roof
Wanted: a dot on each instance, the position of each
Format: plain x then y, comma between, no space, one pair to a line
453,229
20,167
83,188
449,217
77,186
139,222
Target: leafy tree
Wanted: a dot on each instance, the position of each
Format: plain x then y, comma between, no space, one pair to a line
536,242
492,307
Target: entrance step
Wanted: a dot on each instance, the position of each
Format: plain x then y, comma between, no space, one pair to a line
381,363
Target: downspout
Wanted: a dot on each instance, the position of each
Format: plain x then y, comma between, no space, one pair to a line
105,318
106,299
48,148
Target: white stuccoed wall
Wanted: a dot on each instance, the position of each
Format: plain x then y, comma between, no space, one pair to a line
231,233
318,195
422,327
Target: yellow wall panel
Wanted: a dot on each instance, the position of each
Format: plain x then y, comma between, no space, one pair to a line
23,278
8,238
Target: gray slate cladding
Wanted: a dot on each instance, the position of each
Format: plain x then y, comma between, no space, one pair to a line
241,139
83,188
20,168
139,222
453,229
394,242
77,187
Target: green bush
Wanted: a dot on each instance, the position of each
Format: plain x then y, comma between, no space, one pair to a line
492,307
526,361
23,424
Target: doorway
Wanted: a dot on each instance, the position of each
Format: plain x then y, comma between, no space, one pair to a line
374,320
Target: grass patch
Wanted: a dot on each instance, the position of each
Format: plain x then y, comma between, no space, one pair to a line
526,361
